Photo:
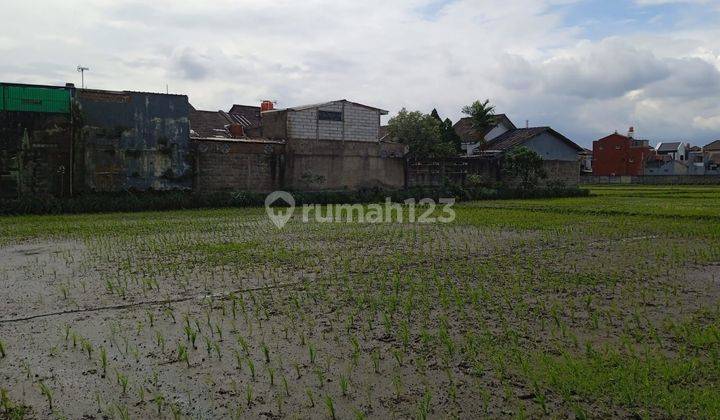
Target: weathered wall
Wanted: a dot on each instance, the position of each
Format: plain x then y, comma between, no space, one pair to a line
232,165
274,124
562,171
358,123
332,164
135,140
35,154
653,179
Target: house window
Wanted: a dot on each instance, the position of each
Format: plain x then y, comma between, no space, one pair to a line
329,116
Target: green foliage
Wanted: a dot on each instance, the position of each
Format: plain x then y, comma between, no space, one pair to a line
525,165
448,134
482,117
423,134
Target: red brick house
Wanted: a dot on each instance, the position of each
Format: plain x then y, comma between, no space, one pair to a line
618,155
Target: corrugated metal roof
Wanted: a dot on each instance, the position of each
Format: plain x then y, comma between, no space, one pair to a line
668,146
519,136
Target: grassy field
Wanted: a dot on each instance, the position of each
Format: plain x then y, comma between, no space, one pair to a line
585,307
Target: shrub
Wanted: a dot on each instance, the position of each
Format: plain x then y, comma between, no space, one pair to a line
175,200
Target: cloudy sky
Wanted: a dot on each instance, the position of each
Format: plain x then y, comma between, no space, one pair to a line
586,68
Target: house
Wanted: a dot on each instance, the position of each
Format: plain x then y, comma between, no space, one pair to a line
246,115
335,145
619,155
339,120
676,150
666,167
696,161
711,157
586,158
544,141
471,138
209,124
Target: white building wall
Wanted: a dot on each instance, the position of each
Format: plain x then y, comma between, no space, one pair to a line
472,148
496,131
359,123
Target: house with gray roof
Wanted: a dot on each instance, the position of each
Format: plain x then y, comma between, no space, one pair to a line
471,138
546,142
675,150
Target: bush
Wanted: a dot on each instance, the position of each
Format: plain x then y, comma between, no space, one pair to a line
176,200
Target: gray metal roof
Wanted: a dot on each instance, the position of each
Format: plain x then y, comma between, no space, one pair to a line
668,146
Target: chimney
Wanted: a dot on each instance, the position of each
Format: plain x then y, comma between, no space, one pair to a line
266,106
631,132
236,131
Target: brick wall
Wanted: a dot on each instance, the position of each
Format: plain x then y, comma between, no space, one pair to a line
562,171
231,165
332,164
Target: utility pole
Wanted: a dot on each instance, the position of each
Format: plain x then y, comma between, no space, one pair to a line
82,69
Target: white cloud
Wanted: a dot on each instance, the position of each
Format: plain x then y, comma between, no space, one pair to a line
522,56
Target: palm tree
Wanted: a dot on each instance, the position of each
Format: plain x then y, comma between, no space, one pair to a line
482,117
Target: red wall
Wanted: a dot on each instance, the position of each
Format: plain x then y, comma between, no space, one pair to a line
614,155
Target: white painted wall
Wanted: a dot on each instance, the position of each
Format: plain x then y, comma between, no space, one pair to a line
498,130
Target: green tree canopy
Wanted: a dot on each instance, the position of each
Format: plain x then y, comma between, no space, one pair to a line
423,133
482,117
525,165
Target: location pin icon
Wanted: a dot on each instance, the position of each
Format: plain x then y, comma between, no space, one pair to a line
280,218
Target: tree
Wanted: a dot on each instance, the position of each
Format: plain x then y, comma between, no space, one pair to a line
450,136
482,117
524,164
422,133
448,131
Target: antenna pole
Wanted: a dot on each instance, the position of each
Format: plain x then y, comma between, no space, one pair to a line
82,69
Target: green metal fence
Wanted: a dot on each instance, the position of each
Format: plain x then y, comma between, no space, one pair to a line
34,99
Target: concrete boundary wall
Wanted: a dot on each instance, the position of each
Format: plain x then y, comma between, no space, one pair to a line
653,179
333,165
238,165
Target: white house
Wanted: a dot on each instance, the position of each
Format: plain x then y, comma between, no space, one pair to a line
676,150
471,138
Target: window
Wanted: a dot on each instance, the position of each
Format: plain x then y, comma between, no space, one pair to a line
329,116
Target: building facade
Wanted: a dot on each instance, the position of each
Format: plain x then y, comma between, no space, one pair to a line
618,155
134,141
336,120
37,140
